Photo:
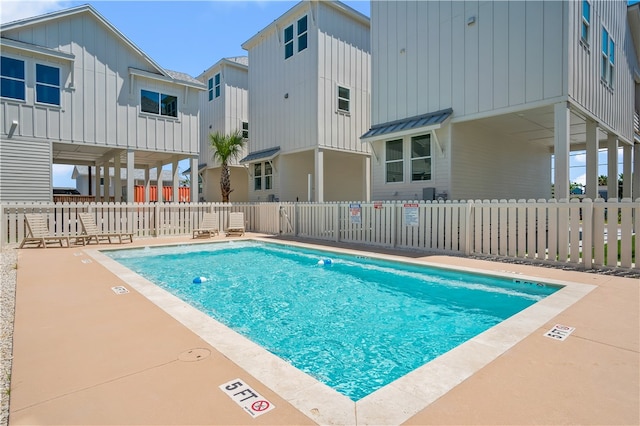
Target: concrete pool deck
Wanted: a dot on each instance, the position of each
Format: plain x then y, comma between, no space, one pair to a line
85,355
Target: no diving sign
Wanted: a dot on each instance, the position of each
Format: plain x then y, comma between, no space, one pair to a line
250,400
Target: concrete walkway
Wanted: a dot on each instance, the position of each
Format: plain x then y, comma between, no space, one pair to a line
85,355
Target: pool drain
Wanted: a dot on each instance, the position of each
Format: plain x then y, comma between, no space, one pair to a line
197,354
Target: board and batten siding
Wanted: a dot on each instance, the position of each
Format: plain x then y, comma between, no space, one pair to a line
611,106
225,113
293,101
344,59
98,104
474,57
25,169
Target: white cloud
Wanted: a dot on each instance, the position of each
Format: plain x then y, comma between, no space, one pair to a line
579,158
582,179
12,10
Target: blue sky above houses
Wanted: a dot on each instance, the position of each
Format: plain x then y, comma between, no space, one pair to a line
190,36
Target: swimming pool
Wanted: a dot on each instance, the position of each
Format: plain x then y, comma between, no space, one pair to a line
355,323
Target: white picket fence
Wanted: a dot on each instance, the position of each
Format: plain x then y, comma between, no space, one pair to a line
564,232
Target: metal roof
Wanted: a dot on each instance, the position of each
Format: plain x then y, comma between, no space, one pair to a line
429,119
265,154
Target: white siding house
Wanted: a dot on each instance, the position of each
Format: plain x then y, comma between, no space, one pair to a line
472,99
308,105
76,91
224,108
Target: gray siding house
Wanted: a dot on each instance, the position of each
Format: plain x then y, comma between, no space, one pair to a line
472,100
224,108
309,95
76,91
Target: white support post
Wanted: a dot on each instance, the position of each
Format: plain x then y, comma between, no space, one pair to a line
176,180
367,179
561,150
627,153
612,167
592,160
319,166
131,156
147,184
117,179
159,182
195,196
97,182
635,184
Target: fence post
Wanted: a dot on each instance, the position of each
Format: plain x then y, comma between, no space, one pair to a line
393,225
336,219
467,232
587,233
156,219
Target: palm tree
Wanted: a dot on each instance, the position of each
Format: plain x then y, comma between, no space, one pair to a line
225,148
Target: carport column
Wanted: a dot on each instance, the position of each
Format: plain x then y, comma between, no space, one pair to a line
561,150
193,190
319,181
176,181
131,157
367,178
97,182
159,182
627,154
635,183
106,186
592,160
612,167
117,178
147,184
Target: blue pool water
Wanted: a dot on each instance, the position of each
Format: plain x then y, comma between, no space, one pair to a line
355,324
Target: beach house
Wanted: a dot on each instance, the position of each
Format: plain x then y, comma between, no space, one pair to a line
482,100
76,91
309,92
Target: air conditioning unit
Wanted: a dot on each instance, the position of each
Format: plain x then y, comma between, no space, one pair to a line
428,194
271,198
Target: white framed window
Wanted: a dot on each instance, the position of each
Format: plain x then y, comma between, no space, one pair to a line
394,161
210,88
302,33
217,84
262,176
245,130
288,42
158,103
586,22
607,67
268,176
257,177
421,158
344,99
12,81
47,84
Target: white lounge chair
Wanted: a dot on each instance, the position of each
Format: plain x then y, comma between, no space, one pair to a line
91,232
208,226
236,224
38,232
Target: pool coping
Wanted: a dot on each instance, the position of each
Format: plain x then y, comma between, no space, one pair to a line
394,403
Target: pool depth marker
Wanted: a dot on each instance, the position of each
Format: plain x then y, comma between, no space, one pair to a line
250,400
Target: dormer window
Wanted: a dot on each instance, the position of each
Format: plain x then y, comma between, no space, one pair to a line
302,33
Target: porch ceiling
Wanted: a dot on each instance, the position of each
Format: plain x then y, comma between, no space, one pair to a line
88,155
537,125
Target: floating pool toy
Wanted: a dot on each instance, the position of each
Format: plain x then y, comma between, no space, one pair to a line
324,262
199,280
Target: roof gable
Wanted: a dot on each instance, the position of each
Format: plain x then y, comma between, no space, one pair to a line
22,24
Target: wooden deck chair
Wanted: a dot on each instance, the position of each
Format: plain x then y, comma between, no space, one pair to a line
38,232
91,232
208,226
236,224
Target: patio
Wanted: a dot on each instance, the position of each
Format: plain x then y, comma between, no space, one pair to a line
85,355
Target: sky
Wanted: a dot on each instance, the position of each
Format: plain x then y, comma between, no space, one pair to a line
190,36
